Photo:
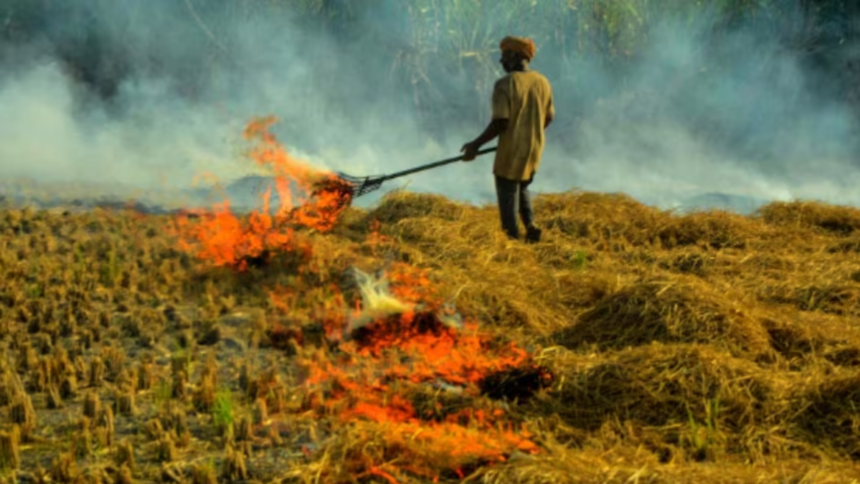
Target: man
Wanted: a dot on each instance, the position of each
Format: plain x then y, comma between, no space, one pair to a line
522,109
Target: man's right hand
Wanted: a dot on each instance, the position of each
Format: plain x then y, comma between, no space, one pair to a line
470,151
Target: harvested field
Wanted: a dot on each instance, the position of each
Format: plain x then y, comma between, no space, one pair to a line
412,343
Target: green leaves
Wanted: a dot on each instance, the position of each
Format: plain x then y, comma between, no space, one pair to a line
222,410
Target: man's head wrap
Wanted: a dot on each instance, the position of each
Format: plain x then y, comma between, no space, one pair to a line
522,45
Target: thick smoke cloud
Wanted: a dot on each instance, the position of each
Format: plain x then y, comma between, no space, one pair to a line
745,118
127,95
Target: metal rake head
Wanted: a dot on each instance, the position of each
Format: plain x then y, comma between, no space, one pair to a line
362,185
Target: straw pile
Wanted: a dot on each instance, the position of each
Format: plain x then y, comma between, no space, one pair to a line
673,389
836,220
827,414
680,310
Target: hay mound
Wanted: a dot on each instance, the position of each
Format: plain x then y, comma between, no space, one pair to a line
792,340
848,245
805,336
693,262
680,311
591,287
615,219
599,216
714,229
828,415
397,206
847,355
839,220
565,465
664,385
839,296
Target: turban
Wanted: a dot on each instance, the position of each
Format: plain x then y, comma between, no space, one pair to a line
521,45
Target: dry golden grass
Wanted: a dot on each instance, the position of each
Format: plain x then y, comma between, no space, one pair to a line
708,347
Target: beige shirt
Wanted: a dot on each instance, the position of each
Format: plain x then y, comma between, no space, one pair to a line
525,100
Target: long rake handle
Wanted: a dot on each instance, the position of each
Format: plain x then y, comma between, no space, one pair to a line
432,165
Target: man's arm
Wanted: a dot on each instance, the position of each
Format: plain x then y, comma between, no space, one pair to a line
550,108
501,114
494,129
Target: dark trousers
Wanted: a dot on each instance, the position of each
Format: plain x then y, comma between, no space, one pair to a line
514,197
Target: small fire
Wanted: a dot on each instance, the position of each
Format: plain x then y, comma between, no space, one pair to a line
388,365
322,195
309,199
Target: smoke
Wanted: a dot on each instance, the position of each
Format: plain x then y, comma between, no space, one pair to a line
122,96
745,117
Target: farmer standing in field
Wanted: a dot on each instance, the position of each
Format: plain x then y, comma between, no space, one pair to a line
522,109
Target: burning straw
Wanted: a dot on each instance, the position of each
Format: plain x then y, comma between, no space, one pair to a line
410,385
309,199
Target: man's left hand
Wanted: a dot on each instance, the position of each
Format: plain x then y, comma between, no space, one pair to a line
470,151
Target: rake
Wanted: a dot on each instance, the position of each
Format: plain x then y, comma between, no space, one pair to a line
362,185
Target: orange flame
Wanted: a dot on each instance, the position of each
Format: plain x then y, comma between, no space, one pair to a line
370,380
221,237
